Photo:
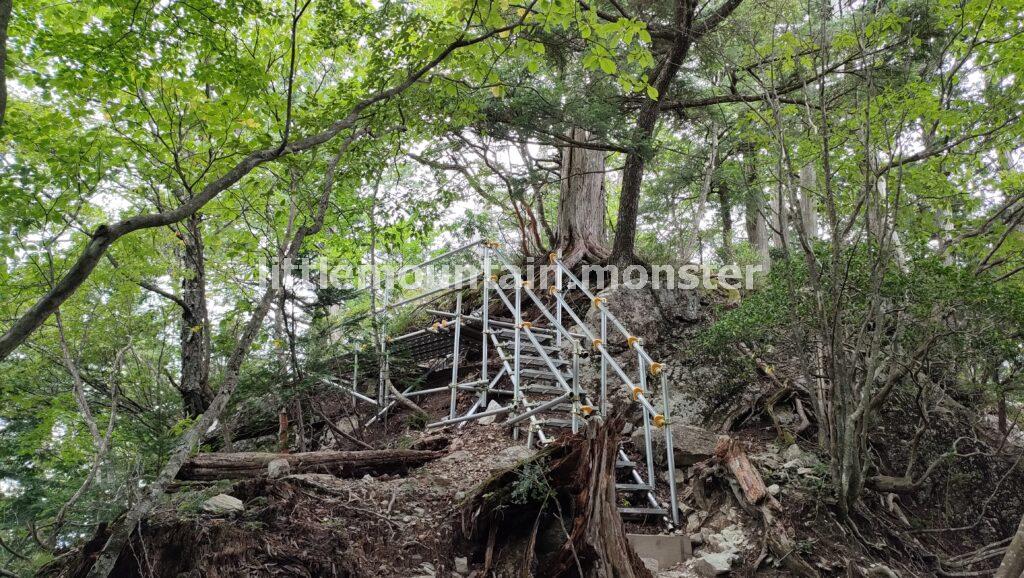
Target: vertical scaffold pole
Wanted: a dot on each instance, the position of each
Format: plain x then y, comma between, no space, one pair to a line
558,288
575,406
518,340
670,457
516,396
485,338
648,446
604,362
455,355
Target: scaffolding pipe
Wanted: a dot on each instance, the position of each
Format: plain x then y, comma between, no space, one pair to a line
485,321
540,408
443,423
460,284
604,363
670,456
470,412
455,355
648,443
547,361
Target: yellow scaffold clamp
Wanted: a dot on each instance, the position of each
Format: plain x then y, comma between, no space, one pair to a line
552,258
586,409
435,327
637,392
494,277
631,340
526,325
598,301
656,368
491,244
552,290
526,284
659,420
596,343
444,324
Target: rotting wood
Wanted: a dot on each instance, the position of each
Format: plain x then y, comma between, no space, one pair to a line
732,455
220,466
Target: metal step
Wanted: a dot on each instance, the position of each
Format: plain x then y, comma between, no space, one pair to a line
555,423
633,487
543,389
509,346
544,374
643,512
536,360
622,464
542,337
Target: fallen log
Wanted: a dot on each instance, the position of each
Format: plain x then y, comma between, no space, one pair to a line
221,466
732,455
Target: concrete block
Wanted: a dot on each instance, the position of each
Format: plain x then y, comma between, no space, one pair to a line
668,550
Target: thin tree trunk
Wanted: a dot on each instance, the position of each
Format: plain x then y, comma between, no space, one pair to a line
106,235
808,206
1013,561
121,533
580,232
725,213
195,322
757,228
624,248
5,21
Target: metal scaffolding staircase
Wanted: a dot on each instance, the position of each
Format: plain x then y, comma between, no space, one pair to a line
537,365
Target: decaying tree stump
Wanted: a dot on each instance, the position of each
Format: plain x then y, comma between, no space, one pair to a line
554,514
221,466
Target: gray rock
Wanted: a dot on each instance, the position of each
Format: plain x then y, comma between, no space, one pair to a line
714,564
774,489
223,504
491,405
278,468
690,444
651,563
793,452
462,565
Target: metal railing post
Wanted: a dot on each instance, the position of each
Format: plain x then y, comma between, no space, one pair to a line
518,339
558,288
575,409
604,362
648,444
455,355
485,322
670,457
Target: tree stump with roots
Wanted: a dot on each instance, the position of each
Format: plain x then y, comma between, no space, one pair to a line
554,514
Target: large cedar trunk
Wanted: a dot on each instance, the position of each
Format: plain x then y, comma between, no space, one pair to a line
195,325
580,232
554,515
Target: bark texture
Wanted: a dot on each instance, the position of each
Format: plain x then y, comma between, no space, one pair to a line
554,515
757,228
5,21
1013,561
195,322
580,232
227,466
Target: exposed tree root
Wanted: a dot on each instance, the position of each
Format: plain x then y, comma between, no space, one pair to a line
554,512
